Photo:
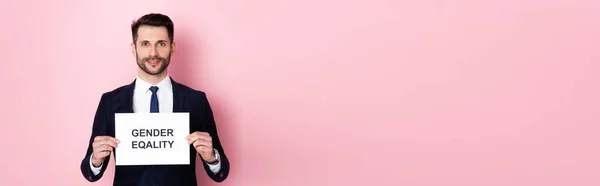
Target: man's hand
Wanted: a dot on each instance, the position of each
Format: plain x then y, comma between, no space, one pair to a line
103,146
202,142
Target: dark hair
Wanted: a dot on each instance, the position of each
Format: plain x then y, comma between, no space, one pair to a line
152,19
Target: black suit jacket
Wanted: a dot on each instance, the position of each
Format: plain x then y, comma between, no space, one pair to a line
185,99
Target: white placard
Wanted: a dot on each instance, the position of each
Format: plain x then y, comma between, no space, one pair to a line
152,139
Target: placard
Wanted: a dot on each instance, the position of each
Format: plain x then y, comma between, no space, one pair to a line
152,139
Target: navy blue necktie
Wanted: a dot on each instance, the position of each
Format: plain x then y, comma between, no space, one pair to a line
154,100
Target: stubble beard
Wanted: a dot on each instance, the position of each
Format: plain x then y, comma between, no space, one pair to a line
164,63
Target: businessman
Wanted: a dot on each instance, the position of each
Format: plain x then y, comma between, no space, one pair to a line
155,92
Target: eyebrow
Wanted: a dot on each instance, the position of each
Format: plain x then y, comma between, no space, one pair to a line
159,41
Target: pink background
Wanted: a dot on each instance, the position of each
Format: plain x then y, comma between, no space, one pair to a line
313,92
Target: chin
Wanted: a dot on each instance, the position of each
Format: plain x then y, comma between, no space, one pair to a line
154,72
154,68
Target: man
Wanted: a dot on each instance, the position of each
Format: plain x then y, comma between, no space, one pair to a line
154,91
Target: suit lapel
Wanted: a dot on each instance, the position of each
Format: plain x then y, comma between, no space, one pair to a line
178,97
123,101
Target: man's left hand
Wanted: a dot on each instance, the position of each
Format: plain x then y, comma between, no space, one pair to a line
202,142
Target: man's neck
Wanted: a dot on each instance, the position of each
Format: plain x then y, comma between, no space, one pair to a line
152,79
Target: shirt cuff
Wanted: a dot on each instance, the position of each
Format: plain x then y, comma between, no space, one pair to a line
95,170
217,167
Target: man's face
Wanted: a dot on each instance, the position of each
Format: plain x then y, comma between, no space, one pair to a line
153,49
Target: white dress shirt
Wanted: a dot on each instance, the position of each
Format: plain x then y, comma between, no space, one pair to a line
141,104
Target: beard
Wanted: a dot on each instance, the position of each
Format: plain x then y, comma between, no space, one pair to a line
164,63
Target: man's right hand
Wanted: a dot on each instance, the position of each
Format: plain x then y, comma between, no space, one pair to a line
102,147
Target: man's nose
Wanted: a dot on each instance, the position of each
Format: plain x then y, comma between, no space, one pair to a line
153,51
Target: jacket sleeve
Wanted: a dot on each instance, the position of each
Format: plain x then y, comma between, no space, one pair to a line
99,128
209,122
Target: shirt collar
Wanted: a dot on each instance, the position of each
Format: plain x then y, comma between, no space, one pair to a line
143,86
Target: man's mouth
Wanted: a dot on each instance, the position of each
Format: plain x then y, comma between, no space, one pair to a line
153,62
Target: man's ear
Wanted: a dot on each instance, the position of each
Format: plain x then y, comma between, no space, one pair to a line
173,47
133,49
